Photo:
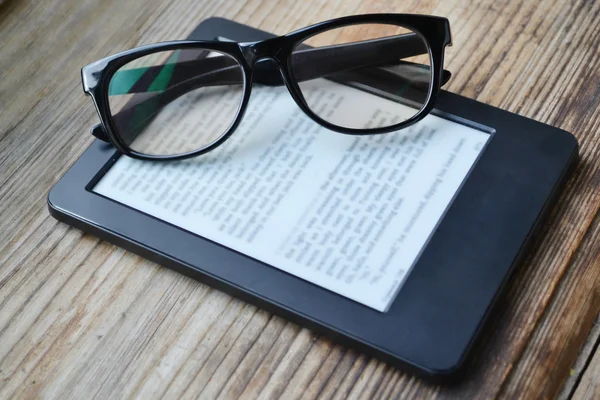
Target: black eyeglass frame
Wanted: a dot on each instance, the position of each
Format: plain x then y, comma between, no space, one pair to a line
434,31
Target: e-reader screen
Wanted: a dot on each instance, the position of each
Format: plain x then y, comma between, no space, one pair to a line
348,213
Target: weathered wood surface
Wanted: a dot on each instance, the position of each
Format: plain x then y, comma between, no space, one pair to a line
81,318
584,382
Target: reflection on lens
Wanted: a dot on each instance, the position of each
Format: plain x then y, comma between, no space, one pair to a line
385,65
175,102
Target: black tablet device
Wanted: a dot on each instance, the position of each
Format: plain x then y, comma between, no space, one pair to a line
395,244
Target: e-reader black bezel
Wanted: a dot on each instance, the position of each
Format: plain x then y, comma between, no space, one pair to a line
439,311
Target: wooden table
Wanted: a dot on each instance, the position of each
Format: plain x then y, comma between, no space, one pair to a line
81,318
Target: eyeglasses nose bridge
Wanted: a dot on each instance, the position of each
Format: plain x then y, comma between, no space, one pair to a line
269,49
265,62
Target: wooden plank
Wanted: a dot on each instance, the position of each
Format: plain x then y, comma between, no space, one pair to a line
79,317
581,367
561,332
588,386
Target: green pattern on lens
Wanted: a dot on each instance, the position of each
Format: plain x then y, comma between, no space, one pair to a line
144,112
166,73
124,79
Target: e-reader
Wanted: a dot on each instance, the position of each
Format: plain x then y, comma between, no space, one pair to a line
395,244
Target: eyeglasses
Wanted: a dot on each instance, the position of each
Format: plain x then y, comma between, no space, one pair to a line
180,99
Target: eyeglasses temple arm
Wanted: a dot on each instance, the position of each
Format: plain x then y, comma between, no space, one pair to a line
311,63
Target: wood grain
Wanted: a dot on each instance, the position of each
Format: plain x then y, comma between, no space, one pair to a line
80,318
583,374
587,386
